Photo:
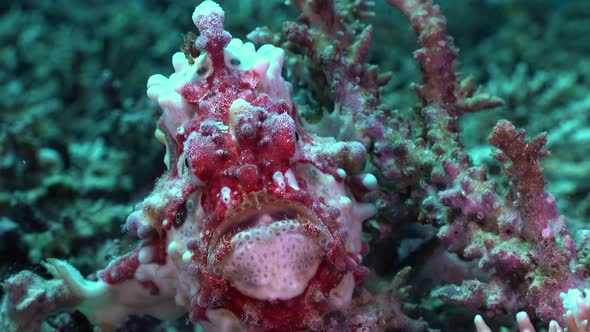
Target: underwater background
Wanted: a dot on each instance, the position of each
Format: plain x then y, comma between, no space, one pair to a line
76,128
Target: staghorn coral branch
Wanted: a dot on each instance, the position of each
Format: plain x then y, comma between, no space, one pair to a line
535,204
437,57
516,239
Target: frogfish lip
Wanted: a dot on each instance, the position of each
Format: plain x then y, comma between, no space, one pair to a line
269,248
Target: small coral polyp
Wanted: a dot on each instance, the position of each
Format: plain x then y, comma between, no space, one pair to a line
254,221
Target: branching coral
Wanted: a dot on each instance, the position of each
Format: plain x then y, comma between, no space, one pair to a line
258,220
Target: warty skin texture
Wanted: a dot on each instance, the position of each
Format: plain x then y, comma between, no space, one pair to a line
256,223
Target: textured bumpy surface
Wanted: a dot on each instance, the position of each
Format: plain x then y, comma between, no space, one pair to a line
255,222
255,219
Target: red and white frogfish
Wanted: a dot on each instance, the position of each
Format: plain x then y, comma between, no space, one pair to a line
256,225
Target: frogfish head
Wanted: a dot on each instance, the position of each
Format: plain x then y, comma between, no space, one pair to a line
261,218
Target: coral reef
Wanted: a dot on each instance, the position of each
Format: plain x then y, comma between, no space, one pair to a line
276,154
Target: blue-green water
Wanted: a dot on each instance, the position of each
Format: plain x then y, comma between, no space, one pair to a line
76,129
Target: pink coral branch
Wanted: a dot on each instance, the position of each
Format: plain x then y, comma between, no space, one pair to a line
543,228
437,57
437,54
